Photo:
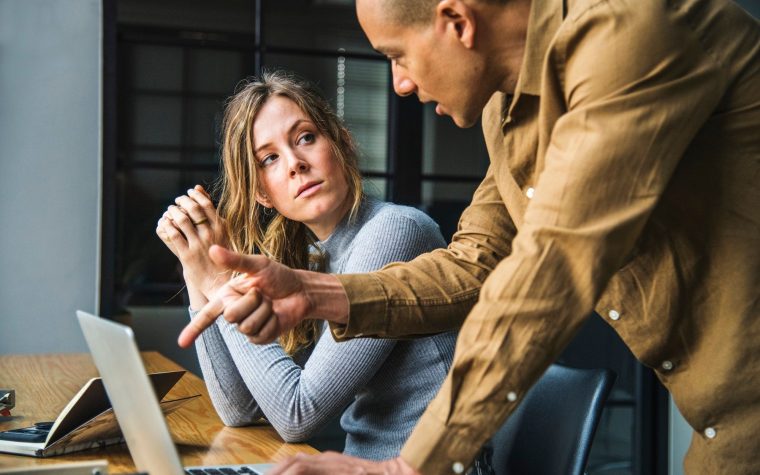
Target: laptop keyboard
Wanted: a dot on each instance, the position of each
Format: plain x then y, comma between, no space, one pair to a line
220,471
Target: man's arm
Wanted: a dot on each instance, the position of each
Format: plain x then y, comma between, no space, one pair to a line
435,291
431,294
267,299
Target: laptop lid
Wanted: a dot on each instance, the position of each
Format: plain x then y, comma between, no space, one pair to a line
134,402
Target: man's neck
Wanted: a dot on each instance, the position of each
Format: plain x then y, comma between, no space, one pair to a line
504,30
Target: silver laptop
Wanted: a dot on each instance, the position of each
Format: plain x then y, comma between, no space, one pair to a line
135,404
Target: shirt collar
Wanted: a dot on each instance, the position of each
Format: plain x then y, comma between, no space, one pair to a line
545,19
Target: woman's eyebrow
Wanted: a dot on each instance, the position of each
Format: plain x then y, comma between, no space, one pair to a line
290,131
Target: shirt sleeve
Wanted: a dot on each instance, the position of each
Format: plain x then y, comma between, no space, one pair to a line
434,293
637,88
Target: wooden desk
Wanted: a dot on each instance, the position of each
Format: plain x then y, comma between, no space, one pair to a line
44,384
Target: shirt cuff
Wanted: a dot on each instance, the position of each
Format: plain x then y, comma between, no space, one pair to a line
367,313
434,448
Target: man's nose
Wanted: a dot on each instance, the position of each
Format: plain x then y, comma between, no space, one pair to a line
402,83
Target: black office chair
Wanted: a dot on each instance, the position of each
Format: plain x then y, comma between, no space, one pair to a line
551,431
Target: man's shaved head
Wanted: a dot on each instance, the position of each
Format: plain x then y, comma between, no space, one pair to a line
409,12
414,12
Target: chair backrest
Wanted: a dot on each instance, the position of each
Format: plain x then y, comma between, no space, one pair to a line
551,431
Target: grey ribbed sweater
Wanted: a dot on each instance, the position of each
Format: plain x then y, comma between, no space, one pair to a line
382,386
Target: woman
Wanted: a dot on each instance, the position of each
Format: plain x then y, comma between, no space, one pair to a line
291,164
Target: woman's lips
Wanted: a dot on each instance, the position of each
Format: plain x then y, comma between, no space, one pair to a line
309,190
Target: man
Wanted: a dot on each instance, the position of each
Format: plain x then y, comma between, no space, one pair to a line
624,137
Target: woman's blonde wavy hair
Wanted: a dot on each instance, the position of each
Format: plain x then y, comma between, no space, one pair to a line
251,227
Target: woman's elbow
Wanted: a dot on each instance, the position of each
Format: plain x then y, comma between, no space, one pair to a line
234,421
293,434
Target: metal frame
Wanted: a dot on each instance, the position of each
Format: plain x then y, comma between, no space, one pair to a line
650,424
108,177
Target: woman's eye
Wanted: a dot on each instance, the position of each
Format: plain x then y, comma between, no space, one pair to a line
268,159
307,138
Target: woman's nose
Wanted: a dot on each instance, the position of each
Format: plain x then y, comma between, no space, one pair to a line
298,165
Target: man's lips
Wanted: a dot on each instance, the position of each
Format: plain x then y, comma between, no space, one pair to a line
438,107
306,187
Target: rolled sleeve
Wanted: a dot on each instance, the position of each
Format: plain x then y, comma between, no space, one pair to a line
367,297
434,292
429,434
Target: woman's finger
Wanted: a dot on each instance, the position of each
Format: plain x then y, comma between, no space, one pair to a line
202,190
203,200
175,237
194,211
183,222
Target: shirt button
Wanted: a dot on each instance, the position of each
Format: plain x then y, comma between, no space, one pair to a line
530,192
667,365
457,467
511,396
614,314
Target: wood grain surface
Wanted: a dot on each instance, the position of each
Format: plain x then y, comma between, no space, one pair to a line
44,384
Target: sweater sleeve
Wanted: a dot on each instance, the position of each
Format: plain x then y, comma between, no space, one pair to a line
396,234
299,401
231,398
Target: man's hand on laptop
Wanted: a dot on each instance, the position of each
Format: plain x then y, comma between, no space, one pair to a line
267,299
333,463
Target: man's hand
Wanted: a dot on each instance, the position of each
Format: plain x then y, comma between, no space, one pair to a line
333,463
267,299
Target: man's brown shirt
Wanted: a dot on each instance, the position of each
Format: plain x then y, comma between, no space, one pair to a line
625,177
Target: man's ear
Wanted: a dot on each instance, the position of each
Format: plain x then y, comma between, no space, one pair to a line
457,18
